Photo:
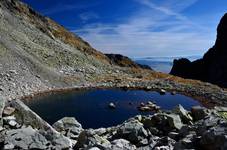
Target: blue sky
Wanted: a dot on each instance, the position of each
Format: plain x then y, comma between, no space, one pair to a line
138,28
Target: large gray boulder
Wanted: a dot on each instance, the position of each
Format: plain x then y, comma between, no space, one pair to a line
184,114
26,117
132,131
25,138
88,139
29,138
69,127
174,121
122,144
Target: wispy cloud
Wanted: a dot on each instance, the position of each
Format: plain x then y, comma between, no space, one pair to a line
88,16
161,29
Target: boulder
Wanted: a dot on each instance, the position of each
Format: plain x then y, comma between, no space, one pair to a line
26,117
199,112
188,142
174,121
56,140
220,109
112,106
163,122
202,126
162,92
94,148
214,138
173,135
69,127
25,138
132,131
122,144
29,138
11,121
164,143
8,111
88,138
173,93
184,115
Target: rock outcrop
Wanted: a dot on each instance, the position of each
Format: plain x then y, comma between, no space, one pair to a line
124,61
213,66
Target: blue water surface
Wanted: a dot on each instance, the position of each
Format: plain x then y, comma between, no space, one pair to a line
90,107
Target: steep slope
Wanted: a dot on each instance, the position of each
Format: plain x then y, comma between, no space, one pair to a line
38,54
213,66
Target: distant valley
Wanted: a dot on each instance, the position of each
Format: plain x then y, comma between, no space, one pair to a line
162,64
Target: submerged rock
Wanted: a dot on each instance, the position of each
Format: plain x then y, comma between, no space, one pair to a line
150,106
112,106
162,92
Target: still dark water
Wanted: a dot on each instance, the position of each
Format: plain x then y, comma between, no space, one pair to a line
90,107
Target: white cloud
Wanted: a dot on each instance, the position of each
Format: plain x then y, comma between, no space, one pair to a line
155,31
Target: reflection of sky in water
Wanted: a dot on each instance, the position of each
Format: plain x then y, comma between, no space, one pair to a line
90,107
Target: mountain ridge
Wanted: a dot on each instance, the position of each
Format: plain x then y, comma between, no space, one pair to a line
212,67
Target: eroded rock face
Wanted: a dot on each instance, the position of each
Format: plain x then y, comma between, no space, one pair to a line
213,66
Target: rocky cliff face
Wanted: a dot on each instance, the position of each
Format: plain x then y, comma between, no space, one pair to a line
213,66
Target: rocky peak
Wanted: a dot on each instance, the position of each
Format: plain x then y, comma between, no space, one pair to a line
213,66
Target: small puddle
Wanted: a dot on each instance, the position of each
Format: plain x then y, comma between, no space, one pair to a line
90,107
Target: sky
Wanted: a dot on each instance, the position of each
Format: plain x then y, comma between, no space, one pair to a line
139,28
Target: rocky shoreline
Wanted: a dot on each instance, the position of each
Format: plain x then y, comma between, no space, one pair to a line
207,94
200,128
